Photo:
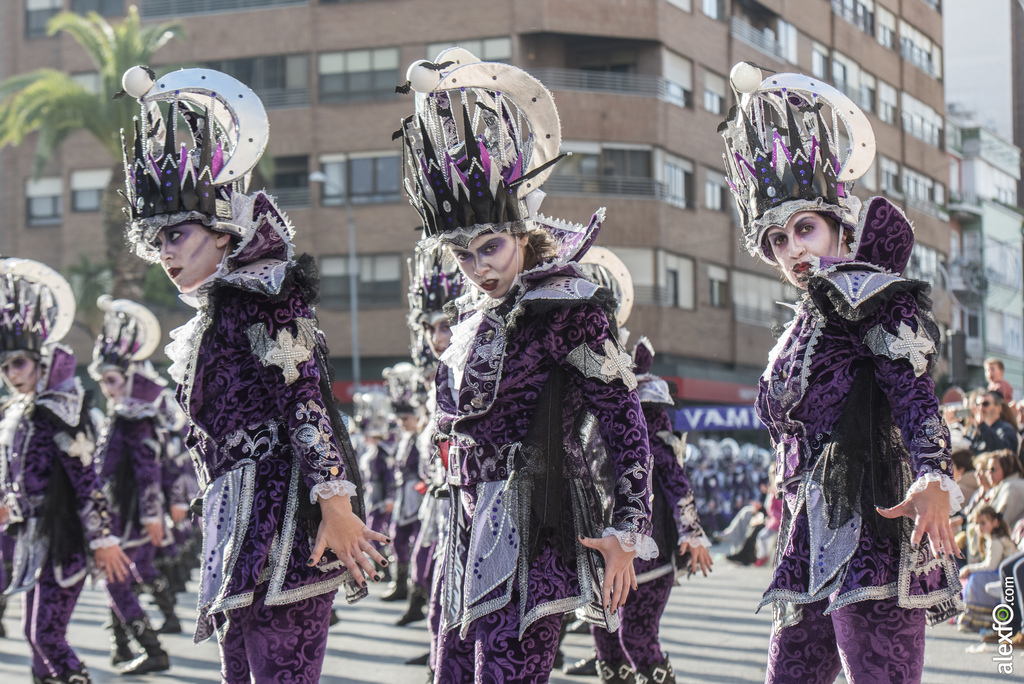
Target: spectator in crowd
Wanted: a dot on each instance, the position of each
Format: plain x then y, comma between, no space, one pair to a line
997,546
990,432
1007,493
994,370
963,472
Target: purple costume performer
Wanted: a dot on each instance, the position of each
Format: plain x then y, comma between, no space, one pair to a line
52,497
846,396
522,371
375,459
252,375
128,462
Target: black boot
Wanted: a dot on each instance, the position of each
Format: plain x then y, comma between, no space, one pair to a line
615,673
154,659
165,600
659,673
398,589
79,676
586,667
417,602
333,619
419,660
120,642
3,607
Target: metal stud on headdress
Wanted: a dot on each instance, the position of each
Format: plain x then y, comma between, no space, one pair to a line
130,334
793,144
37,307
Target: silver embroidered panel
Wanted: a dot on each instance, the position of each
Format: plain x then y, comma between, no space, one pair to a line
914,347
615,363
284,351
856,287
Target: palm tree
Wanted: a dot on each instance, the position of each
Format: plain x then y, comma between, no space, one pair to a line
54,105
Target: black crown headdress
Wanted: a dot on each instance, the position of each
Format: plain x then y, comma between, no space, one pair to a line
37,306
130,334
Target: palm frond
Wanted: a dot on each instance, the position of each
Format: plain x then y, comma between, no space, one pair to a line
86,31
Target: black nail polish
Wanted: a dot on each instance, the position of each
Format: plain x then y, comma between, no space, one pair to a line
310,562
376,578
362,584
383,564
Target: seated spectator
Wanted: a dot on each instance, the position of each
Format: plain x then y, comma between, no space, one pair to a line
994,370
1007,493
995,540
990,432
963,472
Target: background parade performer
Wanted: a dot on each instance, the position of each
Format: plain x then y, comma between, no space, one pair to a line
128,456
52,498
862,453
281,502
532,351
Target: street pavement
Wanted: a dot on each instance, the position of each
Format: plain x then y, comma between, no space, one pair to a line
709,630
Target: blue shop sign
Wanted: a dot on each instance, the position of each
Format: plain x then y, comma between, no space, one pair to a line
717,418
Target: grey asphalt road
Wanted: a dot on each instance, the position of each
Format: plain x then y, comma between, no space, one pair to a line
709,630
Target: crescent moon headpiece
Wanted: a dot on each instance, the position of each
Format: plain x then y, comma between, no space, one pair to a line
483,139
130,334
793,144
167,183
37,307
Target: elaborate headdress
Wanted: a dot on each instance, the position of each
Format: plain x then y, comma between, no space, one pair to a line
130,334
793,144
484,138
373,411
602,266
166,183
37,307
432,285
406,387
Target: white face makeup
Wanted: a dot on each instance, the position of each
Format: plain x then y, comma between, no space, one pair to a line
190,253
22,373
113,385
806,236
439,336
492,261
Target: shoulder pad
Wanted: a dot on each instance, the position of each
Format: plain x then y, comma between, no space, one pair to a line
265,276
855,289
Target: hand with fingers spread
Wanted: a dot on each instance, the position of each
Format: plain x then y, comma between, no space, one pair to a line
113,561
700,556
929,509
619,575
343,532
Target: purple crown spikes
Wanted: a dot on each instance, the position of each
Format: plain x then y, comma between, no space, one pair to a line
37,306
783,149
130,334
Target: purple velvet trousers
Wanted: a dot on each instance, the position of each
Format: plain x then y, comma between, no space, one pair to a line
402,538
637,638
873,642
275,643
120,597
492,651
421,570
44,621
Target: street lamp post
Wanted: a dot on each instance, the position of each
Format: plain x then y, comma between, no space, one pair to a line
353,273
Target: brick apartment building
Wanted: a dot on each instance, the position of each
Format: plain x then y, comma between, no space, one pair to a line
640,85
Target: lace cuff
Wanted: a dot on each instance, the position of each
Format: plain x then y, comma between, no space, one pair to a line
180,506
325,490
644,546
697,538
151,519
104,542
956,497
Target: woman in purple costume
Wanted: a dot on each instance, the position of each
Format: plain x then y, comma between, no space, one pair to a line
863,455
128,463
281,508
52,500
532,352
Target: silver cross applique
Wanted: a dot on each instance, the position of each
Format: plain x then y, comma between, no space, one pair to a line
615,363
915,347
81,447
286,352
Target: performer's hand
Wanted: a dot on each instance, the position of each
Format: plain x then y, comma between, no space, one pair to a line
619,575
929,509
178,514
5,515
699,555
965,572
343,532
111,559
155,530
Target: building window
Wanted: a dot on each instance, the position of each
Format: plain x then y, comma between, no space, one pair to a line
860,13
678,73
87,188
498,49
676,279
917,186
870,179
44,200
279,80
38,13
681,4
715,191
714,9
919,50
890,175
924,264
379,283
714,93
886,102
1013,335
885,21
868,88
678,181
755,299
787,41
105,8
358,75
921,121
819,61
367,178
291,181
718,286
1003,262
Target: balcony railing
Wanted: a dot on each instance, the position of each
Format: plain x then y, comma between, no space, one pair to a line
753,315
755,38
609,186
653,295
150,9
638,85
280,98
856,15
291,197
918,58
926,207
